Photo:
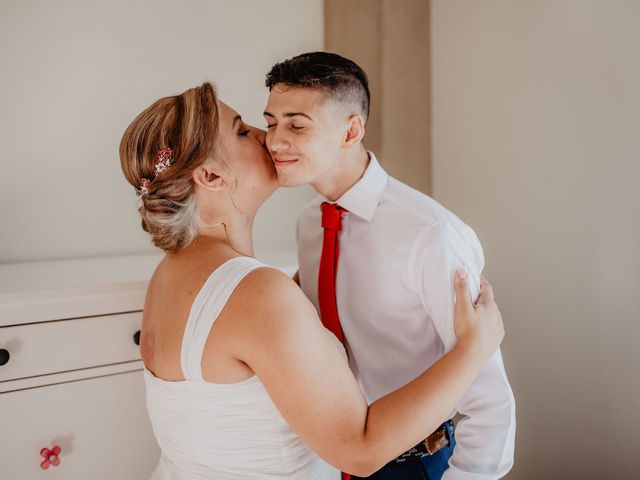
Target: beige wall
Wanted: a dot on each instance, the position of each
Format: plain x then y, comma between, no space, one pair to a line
536,110
75,73
352,29
389,39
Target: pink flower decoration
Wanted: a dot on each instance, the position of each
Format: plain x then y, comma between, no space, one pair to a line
50,456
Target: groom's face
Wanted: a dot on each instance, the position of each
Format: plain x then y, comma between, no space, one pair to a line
305,131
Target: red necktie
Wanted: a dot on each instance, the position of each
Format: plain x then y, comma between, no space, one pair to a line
332,224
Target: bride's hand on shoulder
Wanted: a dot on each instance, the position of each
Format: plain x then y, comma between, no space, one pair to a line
478,326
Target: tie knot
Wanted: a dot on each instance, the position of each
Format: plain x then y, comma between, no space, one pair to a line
332,215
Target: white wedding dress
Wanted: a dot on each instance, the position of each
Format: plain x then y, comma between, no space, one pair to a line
210,431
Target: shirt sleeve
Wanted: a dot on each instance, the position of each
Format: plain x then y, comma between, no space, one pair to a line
485,434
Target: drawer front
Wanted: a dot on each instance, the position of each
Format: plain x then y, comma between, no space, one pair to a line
100,424
60,346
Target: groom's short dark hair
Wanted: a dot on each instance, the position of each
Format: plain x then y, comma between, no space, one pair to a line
341,78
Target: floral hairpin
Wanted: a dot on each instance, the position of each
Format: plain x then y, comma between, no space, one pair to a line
165,157
165,160
143,189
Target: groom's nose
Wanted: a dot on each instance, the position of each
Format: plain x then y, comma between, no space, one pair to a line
276,142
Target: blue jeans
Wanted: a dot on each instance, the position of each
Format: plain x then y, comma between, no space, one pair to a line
431,467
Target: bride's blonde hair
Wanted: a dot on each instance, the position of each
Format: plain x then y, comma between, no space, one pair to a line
188,124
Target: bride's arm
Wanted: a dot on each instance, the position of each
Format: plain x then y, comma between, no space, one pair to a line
285,344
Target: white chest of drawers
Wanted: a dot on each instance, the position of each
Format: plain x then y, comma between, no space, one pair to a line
71,371
72,375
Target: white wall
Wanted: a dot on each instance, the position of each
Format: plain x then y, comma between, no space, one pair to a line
536,120
74,75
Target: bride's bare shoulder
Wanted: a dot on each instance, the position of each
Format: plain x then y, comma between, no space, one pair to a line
269,282
269,292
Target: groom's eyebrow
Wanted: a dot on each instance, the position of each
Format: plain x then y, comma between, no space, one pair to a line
288,115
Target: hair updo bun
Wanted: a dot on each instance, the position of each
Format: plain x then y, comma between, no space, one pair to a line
188,124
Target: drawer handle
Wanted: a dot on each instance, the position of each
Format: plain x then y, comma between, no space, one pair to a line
50,457
136,338
4,356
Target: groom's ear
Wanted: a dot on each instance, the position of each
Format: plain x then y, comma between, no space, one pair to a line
209,176
355,131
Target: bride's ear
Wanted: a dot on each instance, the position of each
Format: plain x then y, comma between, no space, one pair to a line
209,177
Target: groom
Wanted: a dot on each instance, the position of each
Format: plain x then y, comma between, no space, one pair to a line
377,260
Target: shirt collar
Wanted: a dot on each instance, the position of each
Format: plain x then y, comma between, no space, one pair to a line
362,198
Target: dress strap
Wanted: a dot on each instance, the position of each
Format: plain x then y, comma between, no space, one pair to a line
206,308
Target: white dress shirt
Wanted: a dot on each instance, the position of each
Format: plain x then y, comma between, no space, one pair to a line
399,250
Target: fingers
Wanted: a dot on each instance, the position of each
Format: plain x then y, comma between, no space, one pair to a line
461,281
486,292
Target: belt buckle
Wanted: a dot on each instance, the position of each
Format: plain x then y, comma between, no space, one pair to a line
430,445
436,441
